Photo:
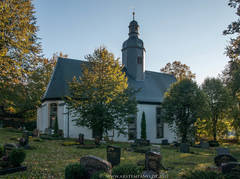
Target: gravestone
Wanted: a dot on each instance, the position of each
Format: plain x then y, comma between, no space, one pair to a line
113,155
97,140
35,133
204,145
93,164
141,142
23,142
165,142
230,166
184,148
8,148
222,151
81,139
224,158
153,161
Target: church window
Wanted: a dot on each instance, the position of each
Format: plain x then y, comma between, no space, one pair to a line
160,124
53,114
139,60
132,128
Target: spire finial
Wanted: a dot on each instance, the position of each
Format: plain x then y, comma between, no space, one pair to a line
133,15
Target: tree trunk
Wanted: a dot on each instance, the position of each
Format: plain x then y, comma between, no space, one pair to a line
184,137
215,129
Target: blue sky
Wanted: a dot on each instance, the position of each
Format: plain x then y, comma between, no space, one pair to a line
185,30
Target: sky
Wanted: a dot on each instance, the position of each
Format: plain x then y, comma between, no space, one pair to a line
189,31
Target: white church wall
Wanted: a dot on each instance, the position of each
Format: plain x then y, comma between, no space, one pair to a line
71,129
151,129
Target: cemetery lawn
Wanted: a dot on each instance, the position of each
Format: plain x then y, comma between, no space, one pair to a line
49,158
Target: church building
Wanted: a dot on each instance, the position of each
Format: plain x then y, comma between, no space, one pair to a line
152,87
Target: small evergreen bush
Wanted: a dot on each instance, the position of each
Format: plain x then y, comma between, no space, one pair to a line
1,151
199,174
56,126
126,170
75,171
16,157
143,127
101,175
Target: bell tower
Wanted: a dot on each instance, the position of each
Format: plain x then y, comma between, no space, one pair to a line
133,53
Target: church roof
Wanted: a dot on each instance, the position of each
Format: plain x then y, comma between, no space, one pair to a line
152,89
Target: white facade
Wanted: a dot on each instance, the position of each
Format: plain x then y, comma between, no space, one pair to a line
66,123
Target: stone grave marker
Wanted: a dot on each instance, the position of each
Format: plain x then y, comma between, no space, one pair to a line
204,145
24,140
221,151
165,142
153,161
230,166
93,164
184,148
81,139
113,155
224,158
142,142
36,133
97,140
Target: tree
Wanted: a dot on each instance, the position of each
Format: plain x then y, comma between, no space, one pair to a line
219,101
179,70
18,41
231,74
101,99
19,50
182,105
143,127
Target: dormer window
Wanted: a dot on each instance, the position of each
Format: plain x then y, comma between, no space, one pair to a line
139,60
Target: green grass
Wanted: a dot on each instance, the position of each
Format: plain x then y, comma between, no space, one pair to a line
50,157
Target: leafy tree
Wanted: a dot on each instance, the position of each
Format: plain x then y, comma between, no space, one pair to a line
19,51
231,74
22,99
219,101
18,41
179,70
143,127
182,105
100,99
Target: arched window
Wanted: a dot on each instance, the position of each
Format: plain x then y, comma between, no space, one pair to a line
53,114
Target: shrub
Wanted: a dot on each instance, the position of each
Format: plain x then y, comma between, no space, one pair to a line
235,173
69,143
16,157
101,175
56,127
199,174
75,171
1,151
127,170
143,127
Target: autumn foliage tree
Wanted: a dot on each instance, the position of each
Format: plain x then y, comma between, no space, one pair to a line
101,99
183,103
231,74
19,50
179,70
219,101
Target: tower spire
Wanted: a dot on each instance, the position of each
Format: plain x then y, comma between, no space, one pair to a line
133,15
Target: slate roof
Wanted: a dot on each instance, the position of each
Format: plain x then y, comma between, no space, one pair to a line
152,89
